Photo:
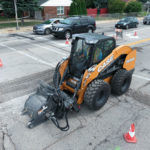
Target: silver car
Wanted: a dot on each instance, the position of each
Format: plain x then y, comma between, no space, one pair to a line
146,19
45,27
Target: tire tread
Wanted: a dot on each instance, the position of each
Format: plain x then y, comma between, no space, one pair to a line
92,90
117,80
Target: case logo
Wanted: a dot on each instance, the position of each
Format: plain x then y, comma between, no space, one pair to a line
108,61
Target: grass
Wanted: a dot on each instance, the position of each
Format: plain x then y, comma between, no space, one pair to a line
3,18
13,24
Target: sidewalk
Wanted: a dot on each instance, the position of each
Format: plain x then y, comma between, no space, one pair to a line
13,30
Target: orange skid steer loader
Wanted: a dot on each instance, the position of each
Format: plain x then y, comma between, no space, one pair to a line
95,68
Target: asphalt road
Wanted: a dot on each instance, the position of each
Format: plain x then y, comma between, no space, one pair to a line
27,58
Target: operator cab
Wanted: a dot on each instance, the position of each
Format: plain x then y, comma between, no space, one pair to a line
89,49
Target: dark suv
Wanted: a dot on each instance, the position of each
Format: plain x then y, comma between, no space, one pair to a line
73,25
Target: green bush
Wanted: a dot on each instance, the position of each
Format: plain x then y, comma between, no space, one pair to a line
89,4
116,6
78,7
143,1
73,10
83,7
133,6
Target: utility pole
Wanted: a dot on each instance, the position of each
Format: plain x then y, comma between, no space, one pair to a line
16,14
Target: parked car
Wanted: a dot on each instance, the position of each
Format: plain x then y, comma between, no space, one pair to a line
45,27
73,25
127,22
146,19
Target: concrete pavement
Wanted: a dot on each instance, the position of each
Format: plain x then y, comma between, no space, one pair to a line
27,58
24,55
89,130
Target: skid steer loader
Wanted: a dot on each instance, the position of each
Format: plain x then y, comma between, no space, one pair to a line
95,68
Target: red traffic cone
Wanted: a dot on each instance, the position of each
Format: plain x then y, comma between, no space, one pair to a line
135,33
67,42
130,136
1,64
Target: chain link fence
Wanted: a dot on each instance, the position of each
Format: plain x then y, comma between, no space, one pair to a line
38,18
119,15
97,17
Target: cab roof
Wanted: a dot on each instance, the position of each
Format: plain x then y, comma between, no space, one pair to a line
91,38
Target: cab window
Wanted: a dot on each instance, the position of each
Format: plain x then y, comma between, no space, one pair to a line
102,50
98,54
108,47
82,49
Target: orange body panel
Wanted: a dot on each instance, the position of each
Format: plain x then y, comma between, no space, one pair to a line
108,79
63,67
130,61
64,86
89,76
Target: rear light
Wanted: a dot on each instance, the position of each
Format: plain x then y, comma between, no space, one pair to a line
95,24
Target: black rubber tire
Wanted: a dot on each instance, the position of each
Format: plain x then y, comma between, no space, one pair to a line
120,82
144,22
90,30
67,36
47,31
97,94
147,22
136,25
30,125
127,27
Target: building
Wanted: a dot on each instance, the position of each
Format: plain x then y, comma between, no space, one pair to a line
56,8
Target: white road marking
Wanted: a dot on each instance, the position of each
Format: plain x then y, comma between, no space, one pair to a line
49,49
55,51
132,36
141,77
27,55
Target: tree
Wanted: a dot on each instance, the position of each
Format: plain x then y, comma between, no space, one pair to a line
143,1
78,7
83,6
89,4
73,9
116,6
133,6
22,6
